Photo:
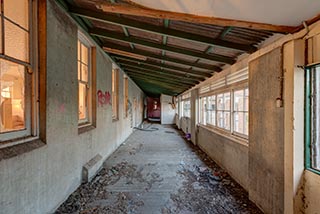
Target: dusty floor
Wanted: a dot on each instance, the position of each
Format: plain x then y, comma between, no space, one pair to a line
158,171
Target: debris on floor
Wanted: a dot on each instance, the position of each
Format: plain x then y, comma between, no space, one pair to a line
159,172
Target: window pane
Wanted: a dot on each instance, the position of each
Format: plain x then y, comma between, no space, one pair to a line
82,101
227,101
12,99
84,72
238,104
17,11
79,51
84,54
315,115
16,42
220,119
220,102
79,70
226,122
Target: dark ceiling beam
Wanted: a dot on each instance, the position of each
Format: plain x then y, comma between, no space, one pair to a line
164,58
102,17
188,52
152,90
157,75
158,82
137,10
165,72
178,70
155,83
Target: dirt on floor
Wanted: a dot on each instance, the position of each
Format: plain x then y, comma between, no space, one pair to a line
202,186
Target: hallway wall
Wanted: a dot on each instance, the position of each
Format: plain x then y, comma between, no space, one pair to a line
38,181
271,165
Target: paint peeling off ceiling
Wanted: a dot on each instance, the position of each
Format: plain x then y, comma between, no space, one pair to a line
278,12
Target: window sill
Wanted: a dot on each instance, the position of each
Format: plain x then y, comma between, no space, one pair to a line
20,148
226,134
313,171
85,128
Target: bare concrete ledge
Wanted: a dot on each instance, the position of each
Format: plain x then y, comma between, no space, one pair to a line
13,151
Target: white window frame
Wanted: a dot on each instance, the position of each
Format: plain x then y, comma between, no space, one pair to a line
243,88
88,120
31,130
227,84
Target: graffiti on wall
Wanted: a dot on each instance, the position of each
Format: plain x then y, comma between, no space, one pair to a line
104,98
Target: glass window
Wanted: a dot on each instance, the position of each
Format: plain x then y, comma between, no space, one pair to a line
186,108
16,84
126,96
223,110
211,110
313,115
84,80
241,111
115,93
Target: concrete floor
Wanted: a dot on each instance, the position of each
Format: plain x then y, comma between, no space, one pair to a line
158,171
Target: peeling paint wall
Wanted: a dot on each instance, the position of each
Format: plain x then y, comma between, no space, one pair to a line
38,181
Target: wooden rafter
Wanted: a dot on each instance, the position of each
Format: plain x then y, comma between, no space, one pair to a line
162,81
160,14
103,17
169,77
164,58
154,69
161,66
120,37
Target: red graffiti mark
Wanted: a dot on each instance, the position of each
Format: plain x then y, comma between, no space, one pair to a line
104,98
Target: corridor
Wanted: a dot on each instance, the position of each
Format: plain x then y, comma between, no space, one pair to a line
156,170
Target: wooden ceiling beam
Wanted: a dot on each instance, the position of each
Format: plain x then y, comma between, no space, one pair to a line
164,31
160,75
188,52
137,10
164,58
163,71
150,88
178,71
159,82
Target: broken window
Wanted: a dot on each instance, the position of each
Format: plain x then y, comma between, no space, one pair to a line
313,117
84,80
115,93
17,70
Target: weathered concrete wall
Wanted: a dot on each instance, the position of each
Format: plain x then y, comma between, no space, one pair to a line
167,111
311,193
266,128
227,152
38,181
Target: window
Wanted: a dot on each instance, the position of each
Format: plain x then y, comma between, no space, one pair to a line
240,111
18,116
224,103
115,93
313,118
223,110
186,108
84,80
125,96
